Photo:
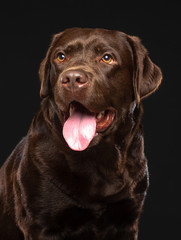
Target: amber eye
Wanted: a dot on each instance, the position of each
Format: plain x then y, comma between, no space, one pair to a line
107,58
61,57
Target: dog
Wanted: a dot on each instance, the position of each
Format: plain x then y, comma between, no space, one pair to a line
81,171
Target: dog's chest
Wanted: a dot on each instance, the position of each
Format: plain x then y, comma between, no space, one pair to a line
88,223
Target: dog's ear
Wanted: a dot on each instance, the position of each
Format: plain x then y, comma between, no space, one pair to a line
147,75
45,68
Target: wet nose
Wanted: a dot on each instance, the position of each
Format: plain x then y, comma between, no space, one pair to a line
74,80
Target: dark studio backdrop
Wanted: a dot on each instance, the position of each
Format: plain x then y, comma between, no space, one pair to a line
26,30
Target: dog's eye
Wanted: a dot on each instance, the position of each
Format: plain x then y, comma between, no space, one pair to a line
107,59
61,57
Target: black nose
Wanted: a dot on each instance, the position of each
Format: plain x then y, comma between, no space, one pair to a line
74,80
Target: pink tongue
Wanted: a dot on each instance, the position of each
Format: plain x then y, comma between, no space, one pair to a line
79,129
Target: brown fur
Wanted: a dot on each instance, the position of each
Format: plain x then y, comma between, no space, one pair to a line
50,192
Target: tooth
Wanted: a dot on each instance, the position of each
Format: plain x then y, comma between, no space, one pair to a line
99,116
70,110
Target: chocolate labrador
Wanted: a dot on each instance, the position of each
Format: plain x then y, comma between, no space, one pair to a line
81,173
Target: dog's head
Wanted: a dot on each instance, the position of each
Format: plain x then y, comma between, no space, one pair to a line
94,78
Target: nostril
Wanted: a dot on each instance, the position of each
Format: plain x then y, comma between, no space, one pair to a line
80,80
65,80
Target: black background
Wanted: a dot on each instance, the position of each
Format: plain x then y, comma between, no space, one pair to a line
26,30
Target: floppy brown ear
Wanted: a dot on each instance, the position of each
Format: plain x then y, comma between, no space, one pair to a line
45,68
147,75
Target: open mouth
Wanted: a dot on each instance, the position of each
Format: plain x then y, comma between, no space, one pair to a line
81,125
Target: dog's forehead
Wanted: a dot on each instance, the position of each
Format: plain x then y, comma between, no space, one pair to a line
92,37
